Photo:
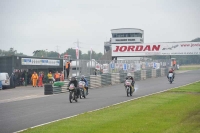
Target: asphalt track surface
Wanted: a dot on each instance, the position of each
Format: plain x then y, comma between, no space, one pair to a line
24,113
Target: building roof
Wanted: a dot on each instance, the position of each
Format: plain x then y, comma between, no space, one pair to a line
127,28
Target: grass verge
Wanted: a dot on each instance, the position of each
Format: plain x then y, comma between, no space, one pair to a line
190,67
173,111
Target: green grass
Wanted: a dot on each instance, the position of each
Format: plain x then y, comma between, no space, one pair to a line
174,111
190,67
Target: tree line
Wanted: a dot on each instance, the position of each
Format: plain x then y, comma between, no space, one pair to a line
54,54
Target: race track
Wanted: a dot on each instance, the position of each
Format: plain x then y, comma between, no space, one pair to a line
21,114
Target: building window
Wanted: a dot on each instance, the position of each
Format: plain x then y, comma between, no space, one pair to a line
131,39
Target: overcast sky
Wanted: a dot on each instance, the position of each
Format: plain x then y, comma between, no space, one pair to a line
28,25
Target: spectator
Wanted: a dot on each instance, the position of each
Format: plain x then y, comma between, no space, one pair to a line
67,68
34,78
50,77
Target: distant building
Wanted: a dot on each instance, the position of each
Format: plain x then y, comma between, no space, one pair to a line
124,36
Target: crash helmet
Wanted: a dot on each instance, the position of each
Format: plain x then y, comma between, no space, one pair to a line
73,78
82,76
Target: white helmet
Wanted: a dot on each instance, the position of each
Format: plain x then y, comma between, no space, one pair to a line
82,76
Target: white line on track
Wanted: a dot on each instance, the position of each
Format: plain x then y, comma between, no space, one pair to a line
106,107
21,98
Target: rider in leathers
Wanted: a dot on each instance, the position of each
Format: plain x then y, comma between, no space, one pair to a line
133,82
74,81
171,71
86,83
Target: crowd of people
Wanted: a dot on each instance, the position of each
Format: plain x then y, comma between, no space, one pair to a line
35,79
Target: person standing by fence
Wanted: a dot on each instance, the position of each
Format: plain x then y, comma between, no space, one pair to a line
50,77
40,80
34,79
57,76
61,76
67,69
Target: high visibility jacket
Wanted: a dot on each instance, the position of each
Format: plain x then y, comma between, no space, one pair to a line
57,75
50,76
34,76
67,65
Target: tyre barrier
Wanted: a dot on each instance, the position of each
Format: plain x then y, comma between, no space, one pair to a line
148,73
104,78
95,81
162,71
122,77
57,90
153,73
158,72
115,78
48,89
143,74
137,75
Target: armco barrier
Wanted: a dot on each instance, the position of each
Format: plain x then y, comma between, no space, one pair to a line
143,74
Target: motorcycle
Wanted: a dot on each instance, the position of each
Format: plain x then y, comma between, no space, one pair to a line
170,77
128,87
82,88
72,93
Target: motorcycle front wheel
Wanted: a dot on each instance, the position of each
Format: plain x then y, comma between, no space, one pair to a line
70,97
127,91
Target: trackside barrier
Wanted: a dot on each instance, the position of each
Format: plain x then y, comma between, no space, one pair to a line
153,73
162,72
143,75
105,79
115,78
158,72
122,77
95,81
149,73
137,75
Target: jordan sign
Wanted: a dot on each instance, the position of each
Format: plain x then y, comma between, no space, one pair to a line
184,48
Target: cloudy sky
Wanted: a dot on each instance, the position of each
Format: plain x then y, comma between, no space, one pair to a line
28,25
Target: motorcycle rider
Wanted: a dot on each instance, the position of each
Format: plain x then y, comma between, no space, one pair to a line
75,82
171,71
86,83
132,83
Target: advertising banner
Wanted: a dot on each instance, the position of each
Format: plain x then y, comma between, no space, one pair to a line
183,48
34,61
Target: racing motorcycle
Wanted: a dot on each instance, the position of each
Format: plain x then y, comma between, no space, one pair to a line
128,87
72,93
170,77
81,85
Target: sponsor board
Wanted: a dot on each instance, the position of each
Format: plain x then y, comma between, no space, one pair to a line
34,61
183,48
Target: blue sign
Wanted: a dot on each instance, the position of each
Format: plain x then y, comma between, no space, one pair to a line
125,67
112,66
154,65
